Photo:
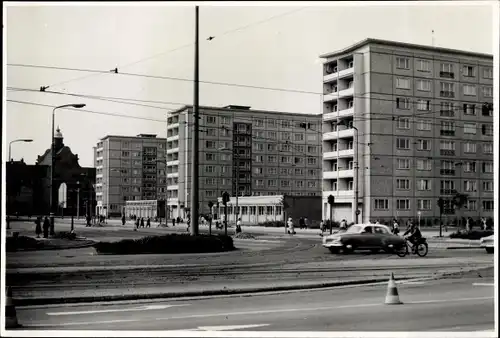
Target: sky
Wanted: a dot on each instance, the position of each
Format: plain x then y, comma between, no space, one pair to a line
266,46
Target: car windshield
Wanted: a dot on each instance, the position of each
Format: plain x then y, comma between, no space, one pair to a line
355,229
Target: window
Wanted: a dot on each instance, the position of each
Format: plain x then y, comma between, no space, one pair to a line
312,172
404,123
210,181
447,128
469,71
350,185
424,164
469,109
311,160
210,156
311,137
271,183
447,186
424,85
298,160
259,183
299,171
471,205
211,131
299,137
403,163
225,120
225,157
402,63
402,83
285,147
285,136
259,158
210,144
424,204
285,124
469,90
488,91
469,147
446,68
447,89
469,128
271,147
470,167
488,205
487,167
125,153
488,186
286,159
424,125
209,169
488,148
424,184
285,183
403,204
271,123
311,184
381,204
447,145
259,123
258,170
403,184
423,66
488,73
447,109
312,149
258,146
299,184
271,159
424,144
487,129
403,143
423,105
272,135
211,119
403,103
470,186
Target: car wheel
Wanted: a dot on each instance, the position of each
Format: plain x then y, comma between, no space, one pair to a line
489,250
334,250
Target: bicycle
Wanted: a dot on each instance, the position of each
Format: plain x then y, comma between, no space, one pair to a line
421,248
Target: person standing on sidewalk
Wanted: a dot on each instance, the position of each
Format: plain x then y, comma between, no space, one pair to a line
38,226
321,228
238,226
46,226
123,219
148,223
173,222
142,222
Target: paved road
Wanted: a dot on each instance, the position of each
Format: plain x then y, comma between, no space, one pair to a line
453,304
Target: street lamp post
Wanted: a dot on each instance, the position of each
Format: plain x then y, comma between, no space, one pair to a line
53,161
18,140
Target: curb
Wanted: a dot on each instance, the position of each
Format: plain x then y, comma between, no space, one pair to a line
463,247
220,292
81,246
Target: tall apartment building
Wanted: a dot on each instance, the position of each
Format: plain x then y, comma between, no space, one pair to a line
265,152
423,133
129,169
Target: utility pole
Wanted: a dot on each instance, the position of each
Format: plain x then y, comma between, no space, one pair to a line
196,125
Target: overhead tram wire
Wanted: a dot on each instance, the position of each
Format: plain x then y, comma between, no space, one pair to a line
180,47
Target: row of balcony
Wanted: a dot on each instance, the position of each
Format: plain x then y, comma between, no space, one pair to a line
336,114
327,175
333,135
332,155
349,92
338,74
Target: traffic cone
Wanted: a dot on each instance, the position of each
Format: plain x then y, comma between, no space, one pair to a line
10,311
392,296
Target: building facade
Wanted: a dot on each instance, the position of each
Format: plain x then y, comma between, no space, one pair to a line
129,169
254,152
404,125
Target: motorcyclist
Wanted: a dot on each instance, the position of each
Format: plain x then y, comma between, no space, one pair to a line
415,235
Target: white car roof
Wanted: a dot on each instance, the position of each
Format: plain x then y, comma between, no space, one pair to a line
372,224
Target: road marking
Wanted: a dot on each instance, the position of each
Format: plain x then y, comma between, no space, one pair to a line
412,283
229,327
483,284
258,312
141,308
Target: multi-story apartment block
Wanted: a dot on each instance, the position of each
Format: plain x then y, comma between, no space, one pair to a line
413,115
258,153
129,169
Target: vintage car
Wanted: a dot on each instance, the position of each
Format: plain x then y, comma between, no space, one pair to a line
374,237
488,243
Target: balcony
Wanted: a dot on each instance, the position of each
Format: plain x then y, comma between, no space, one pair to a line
173,138
447,133
446,93
346,173
446,152
173,175
175,162
347,92
330,155
446,113
328,175
346,72
346,112
332,135
346,153
330,77
173,125
330,116
330,97
173,187
447,172
173,150
447,75
338,193
345,133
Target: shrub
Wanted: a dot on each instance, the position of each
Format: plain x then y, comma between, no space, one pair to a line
21,243
65,235
171,243
272,224
475,234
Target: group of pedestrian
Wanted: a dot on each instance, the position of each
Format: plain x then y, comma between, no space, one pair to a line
38,227
303,223
325,224
139,222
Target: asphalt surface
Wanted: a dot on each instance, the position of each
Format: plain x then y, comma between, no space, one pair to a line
461,304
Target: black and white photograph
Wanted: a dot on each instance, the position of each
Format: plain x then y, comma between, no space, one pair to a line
250,169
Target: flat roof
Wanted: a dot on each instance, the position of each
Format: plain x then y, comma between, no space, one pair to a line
243,109
365,42
137,138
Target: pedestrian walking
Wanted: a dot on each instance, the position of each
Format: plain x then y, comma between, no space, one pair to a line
395,227
38,226
148,223
321,228
301,223
238,226
142,222
123,219
291,229
46,226
343,225
188,224
306,223
173,222
137,221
